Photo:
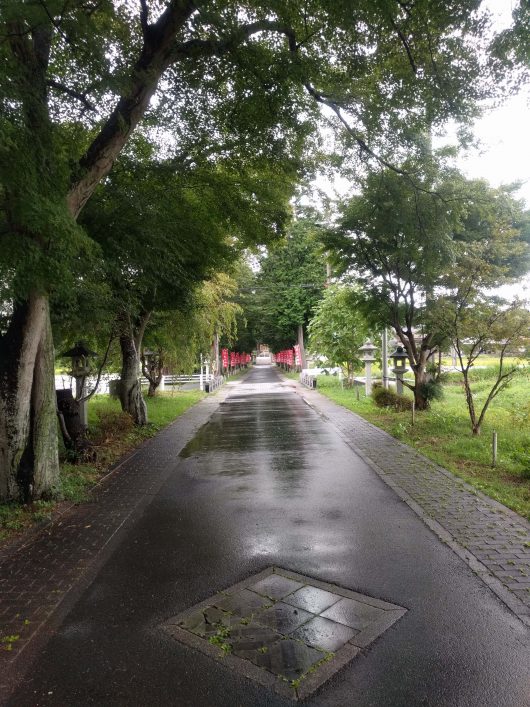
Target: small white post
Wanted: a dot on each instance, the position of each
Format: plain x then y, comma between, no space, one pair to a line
201,377
162,385
494,448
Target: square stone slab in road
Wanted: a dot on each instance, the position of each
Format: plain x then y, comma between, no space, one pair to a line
353,613
285,630
312,599
244,603
276,586
283,617
206,623
249,639
286,658
324,634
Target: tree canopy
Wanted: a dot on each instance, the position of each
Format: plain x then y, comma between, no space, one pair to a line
287,287
405,245
210,81
338,328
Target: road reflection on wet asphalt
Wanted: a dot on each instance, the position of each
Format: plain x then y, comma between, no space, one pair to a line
267,481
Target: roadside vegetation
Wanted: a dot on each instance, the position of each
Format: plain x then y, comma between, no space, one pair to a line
155,206
113,435
443,433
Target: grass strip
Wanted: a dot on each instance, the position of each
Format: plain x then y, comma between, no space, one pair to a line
113,435
443,434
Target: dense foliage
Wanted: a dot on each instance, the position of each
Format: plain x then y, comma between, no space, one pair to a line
282,295
408,244
207,83
338,328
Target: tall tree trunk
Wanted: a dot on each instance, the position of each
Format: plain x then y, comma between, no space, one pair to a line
131,397
418,360
29,465
420,378
470,402
153,370
303,360
216,364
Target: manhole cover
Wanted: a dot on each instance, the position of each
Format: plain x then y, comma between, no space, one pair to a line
284,630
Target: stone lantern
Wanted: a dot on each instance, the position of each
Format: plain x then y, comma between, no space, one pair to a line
80,356
368,357
399,357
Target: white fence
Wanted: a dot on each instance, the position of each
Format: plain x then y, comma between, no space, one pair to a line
307,380
65,382
209,382
178,380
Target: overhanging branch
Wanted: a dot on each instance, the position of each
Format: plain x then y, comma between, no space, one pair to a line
81,97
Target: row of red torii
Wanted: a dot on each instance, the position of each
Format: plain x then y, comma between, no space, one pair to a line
233,359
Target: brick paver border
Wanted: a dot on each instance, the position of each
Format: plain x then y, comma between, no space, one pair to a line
492,539
38,571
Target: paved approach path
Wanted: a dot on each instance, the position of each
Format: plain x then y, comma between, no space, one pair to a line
267,481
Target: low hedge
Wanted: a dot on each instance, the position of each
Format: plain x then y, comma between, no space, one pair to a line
386,398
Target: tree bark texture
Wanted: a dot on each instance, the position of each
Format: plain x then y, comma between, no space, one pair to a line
418,358
421,377
153,370
156,55
216,362
303,359
28,424
71,425
131,397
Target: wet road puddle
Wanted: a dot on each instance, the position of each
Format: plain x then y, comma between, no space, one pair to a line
285,630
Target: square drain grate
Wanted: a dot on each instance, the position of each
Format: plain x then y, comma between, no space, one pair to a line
284,630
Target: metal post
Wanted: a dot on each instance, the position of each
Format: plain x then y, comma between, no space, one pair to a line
357,390
494,448
384,356
201,378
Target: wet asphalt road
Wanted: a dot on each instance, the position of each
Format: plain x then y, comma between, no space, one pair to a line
268,482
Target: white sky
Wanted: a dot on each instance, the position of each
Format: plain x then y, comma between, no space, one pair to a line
505,153
504,156
504,131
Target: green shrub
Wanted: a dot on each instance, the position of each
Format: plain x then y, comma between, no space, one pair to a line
432,390
385,398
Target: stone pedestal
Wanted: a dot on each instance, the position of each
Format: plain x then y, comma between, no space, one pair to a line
399,373
368,374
